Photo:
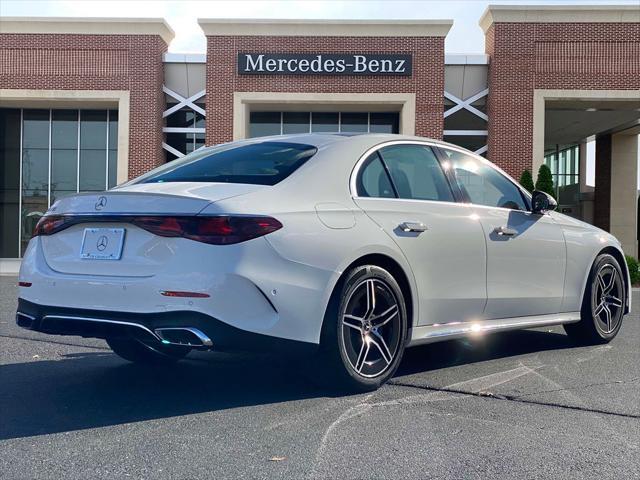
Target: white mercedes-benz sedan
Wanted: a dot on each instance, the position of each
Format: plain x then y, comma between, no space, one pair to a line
348,247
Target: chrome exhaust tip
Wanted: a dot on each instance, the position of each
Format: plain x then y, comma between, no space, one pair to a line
183,336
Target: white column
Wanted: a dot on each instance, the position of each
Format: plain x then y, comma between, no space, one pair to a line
624,191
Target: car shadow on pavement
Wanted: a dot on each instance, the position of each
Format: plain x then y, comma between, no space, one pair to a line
482,348
89,390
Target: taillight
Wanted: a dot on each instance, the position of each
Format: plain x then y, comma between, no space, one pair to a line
215,230
49,224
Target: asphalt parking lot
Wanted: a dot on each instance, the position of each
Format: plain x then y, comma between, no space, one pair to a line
515,405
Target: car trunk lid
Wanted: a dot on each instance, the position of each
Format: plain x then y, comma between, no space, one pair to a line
76,249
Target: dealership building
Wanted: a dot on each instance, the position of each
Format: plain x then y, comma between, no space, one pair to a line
87,103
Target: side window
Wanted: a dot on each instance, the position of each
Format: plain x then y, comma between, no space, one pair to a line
374,181
485,185
416,173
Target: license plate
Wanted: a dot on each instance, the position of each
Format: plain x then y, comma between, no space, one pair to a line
102,243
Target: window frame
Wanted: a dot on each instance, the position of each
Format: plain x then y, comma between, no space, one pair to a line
526,196
362,163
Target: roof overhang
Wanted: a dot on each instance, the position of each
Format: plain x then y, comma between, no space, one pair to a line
88,26
558,14
325,28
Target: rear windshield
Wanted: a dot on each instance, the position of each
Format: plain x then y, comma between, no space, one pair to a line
265,163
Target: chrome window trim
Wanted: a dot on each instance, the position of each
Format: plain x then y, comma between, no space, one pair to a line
353,188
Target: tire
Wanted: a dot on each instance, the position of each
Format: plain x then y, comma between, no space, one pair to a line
602,304
138,352
364,331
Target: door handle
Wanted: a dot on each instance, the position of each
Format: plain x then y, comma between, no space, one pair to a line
505,231
417,227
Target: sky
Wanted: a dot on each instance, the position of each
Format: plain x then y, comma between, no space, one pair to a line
465,36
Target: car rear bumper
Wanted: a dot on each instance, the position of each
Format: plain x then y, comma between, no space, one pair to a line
186,327
247,286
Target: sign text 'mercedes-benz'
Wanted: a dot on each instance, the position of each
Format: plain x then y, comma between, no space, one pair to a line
323,64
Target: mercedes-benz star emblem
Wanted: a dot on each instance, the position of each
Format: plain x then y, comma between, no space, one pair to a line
103,241
101,203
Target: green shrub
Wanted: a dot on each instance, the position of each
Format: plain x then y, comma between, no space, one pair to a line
544,183
634,269
526,180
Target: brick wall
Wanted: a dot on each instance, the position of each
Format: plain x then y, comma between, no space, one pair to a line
96,62
427,81
526,56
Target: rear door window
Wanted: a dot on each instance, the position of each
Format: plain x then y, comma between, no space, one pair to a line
263,163
416,173
374,180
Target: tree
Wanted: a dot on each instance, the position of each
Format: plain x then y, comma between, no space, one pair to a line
526,180
544,183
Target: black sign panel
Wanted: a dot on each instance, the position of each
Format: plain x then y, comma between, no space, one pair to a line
323,64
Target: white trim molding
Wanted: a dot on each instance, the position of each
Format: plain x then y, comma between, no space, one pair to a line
9,266
89,26
559,14
324,28
404,103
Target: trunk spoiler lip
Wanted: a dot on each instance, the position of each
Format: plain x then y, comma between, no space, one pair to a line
104,216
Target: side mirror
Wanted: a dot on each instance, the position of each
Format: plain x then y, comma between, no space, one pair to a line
542,202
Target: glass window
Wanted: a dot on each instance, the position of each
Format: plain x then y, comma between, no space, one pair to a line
93,170
64,166
49,168
64,129
64,153
325,122
199,119
264,163
275,123
565,168
374,180
113,129
36,129
183,118
295,122
93,129
112,167
484,184
383,122
354,122
9,181
93,154
35,190
416,173
262,124
463,119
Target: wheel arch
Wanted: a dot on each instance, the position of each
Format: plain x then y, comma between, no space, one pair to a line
619,256
394,268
